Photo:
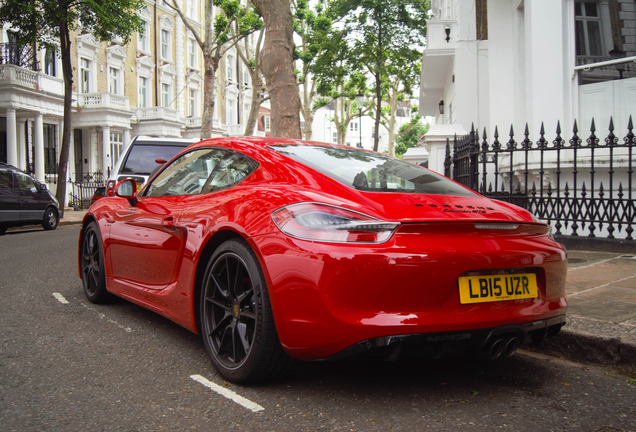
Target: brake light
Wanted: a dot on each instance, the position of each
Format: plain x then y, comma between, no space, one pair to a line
110,188
331,224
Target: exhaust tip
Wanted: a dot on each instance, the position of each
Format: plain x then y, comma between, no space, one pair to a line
511,346
497,349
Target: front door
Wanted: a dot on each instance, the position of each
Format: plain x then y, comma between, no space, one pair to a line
9,199
79,156
145,244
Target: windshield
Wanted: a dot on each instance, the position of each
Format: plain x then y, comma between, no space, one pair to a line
372,172
141,158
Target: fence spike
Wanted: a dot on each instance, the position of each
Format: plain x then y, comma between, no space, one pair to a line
575,129
472,128
496,132
630,126
593,126
611,125
512,132
526,132
567,190
620,190
558,129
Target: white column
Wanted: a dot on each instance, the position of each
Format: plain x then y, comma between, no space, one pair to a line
38,142
126,139
71,152
12,138
106,151
21,145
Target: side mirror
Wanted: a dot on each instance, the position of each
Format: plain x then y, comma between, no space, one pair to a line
127,189
42,187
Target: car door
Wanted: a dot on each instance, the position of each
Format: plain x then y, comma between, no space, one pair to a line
146,241
32,201
9,197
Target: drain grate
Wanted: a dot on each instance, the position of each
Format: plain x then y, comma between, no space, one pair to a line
576,260
628,256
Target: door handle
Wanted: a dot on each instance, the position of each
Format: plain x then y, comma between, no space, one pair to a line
168,222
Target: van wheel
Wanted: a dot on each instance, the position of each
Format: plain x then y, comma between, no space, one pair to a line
50,219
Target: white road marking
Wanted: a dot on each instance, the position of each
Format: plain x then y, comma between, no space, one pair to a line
59,297
104,317
246,403
600,286
593,264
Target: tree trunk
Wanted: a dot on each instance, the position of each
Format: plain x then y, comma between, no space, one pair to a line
67,70
378,112
209,75
250,124
278,67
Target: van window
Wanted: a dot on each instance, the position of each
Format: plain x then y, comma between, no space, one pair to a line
141,158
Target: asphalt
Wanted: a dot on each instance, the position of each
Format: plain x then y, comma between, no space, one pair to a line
601,317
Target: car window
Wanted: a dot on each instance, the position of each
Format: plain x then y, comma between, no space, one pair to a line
26,183
231,170
369,171
201,171
6,182
141,158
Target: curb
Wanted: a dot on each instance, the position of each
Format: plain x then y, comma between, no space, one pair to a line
582,346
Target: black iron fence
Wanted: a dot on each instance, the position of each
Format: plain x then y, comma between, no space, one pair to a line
81,191
579,187
19,55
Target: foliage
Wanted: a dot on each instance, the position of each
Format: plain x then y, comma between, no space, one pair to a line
409,138
378,34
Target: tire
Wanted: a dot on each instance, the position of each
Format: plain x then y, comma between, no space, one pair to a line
51,219
237,324
92,265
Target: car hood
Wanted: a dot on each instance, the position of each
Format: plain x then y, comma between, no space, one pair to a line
443,208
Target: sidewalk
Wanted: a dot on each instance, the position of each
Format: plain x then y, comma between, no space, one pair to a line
601,318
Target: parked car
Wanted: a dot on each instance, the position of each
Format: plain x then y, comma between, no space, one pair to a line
25,201
143,157
99,193
277,249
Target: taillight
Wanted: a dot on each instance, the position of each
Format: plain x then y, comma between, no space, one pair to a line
110,188
331,224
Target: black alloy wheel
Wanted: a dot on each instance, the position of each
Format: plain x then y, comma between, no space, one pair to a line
51,219
92,265
236,318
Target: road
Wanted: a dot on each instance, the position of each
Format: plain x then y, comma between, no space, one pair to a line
69,365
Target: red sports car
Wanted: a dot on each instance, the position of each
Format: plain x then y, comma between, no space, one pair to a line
278,249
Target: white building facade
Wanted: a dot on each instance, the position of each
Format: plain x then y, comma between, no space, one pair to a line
512,62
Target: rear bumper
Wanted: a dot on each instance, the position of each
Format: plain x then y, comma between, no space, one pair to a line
448,344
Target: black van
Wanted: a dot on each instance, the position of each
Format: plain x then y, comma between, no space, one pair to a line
25,201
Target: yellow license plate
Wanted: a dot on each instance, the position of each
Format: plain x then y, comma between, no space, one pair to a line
481,289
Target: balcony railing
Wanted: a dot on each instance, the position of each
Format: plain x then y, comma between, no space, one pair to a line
16,77
157,113
195,122
235,130
102,100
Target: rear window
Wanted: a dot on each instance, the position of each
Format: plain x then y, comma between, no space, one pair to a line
141,158
373,172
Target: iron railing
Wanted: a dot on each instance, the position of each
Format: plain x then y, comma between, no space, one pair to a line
18,55
580,188
81,191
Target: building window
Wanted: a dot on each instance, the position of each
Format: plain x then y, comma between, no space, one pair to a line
116,146
50,149
353,127
192,103
230,68
334,138
85,75
165,44
142,101
165,95
49,62
113,85
192,53
191,8
588,29
246,77
142,37
266,123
